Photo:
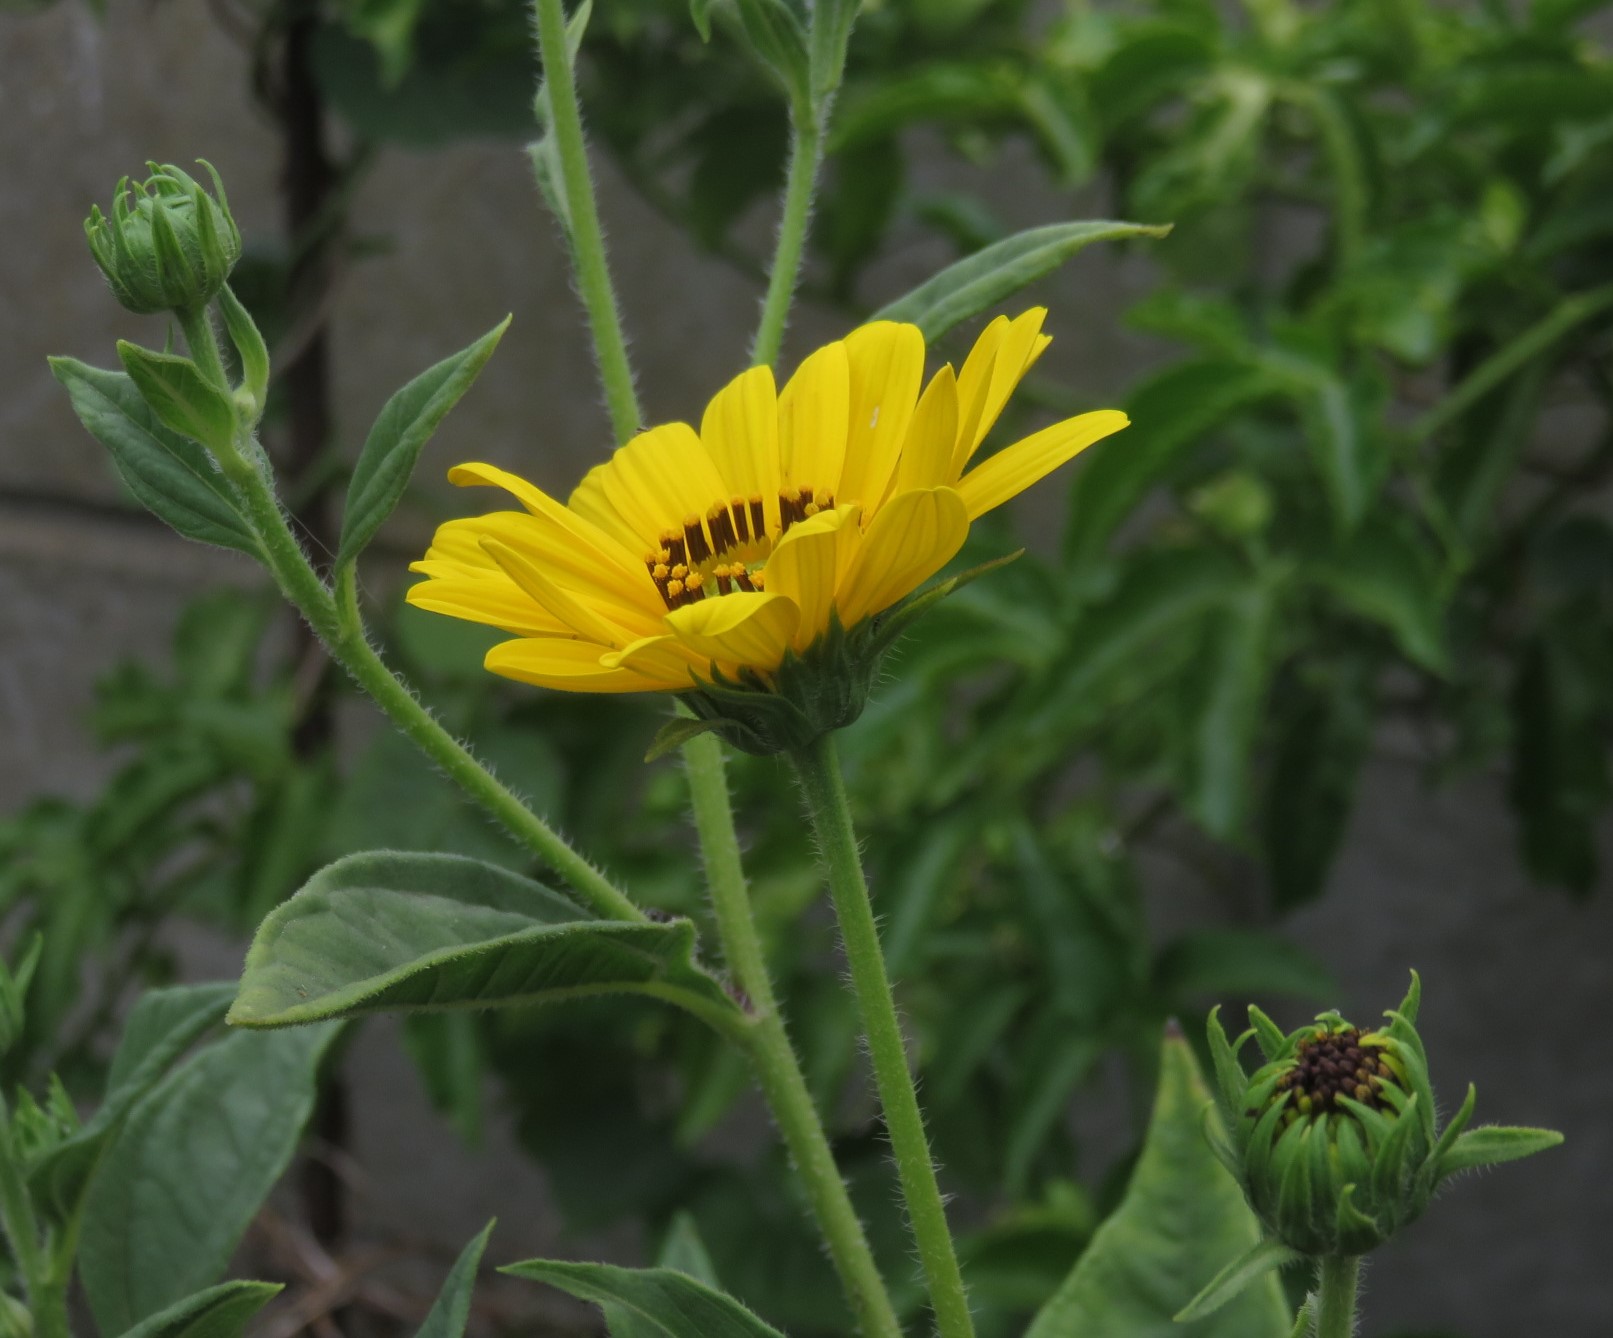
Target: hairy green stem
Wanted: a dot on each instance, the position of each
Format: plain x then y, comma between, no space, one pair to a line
47,1299
806,153
1512,357
778,1070
341,629
819,770
200,338
582,227
1338,1278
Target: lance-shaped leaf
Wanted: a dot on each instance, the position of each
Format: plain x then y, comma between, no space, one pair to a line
162,1026
404,426
1182,1221
199,1154
181,396
1491,1144
218,1312
1245,1269
662,1302
683,1252
451,1310
168,474
999,271
389,931
249,346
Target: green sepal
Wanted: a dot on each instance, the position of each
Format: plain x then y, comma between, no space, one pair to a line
1413,1000
1230,1079
1388,1165
1268,1035
1429,1176
1492,1144
1350,1223
182,398
1304,1317
1262,1141
1215,1136
675,733
1291,1166
1260,1259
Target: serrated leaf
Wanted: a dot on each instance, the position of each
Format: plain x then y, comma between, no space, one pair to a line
181,397
162,1026
405,424
662,1302
1491,1144
451,1310
1261,1259
218,1312
170,476
394,932
1183,1219
977,282
192,1166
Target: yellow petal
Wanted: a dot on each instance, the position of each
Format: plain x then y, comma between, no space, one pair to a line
651,485
740,432
571,666
492,598
584,616
927,452
887,368
749,628
805,567
1016,467
914,535
813,411
1003,354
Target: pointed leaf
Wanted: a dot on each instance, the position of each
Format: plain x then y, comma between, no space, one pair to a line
199,1154
1262,1258
390,931
181,396
832,21
1183,1219
451,1310
675,733
986,278
664,1303
682,1251
1492,1144
1268,1035
218,1312
249,345
170,476
404,426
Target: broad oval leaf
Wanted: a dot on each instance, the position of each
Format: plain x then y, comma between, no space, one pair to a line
162,1026
170,476
662,1302
180,395
405,424
451,1310
982,280
218,1312
1183,1220
192,1166
394,931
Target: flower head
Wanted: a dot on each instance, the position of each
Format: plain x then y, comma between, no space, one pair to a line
729,557
169,245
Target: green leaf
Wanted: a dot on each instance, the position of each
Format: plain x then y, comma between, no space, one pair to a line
776,37
181,397
405,424
389,931
1382,574
683,1252
1227,963
982,280
675,733
1349,455
170,476
832,21
1183,1219
663,1303
218,1312
249,345
1261,1259
162,1026
451,1310
197,1157
1492,1144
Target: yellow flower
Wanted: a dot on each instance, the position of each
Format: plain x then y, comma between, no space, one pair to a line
692,557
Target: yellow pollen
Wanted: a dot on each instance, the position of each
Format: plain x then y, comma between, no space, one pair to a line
695,581
661,571
680,571
674,589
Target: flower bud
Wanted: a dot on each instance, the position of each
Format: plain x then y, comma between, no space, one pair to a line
169,245
1334,1139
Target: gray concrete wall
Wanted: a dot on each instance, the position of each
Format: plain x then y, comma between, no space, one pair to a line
1517,979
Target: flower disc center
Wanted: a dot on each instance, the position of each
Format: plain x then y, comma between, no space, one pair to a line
1337,1064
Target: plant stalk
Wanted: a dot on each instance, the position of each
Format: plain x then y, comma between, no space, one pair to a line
47,1299
587,239
819,770
200,338
778,1070
1338,1279
806,154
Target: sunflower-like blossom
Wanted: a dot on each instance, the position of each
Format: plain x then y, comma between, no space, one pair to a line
690,558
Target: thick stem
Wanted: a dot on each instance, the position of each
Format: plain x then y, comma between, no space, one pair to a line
47,1300
819,771
1338,1278
777,1068
200,338
587,239
806,153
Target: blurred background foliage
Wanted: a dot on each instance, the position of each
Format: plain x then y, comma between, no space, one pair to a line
1357,504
